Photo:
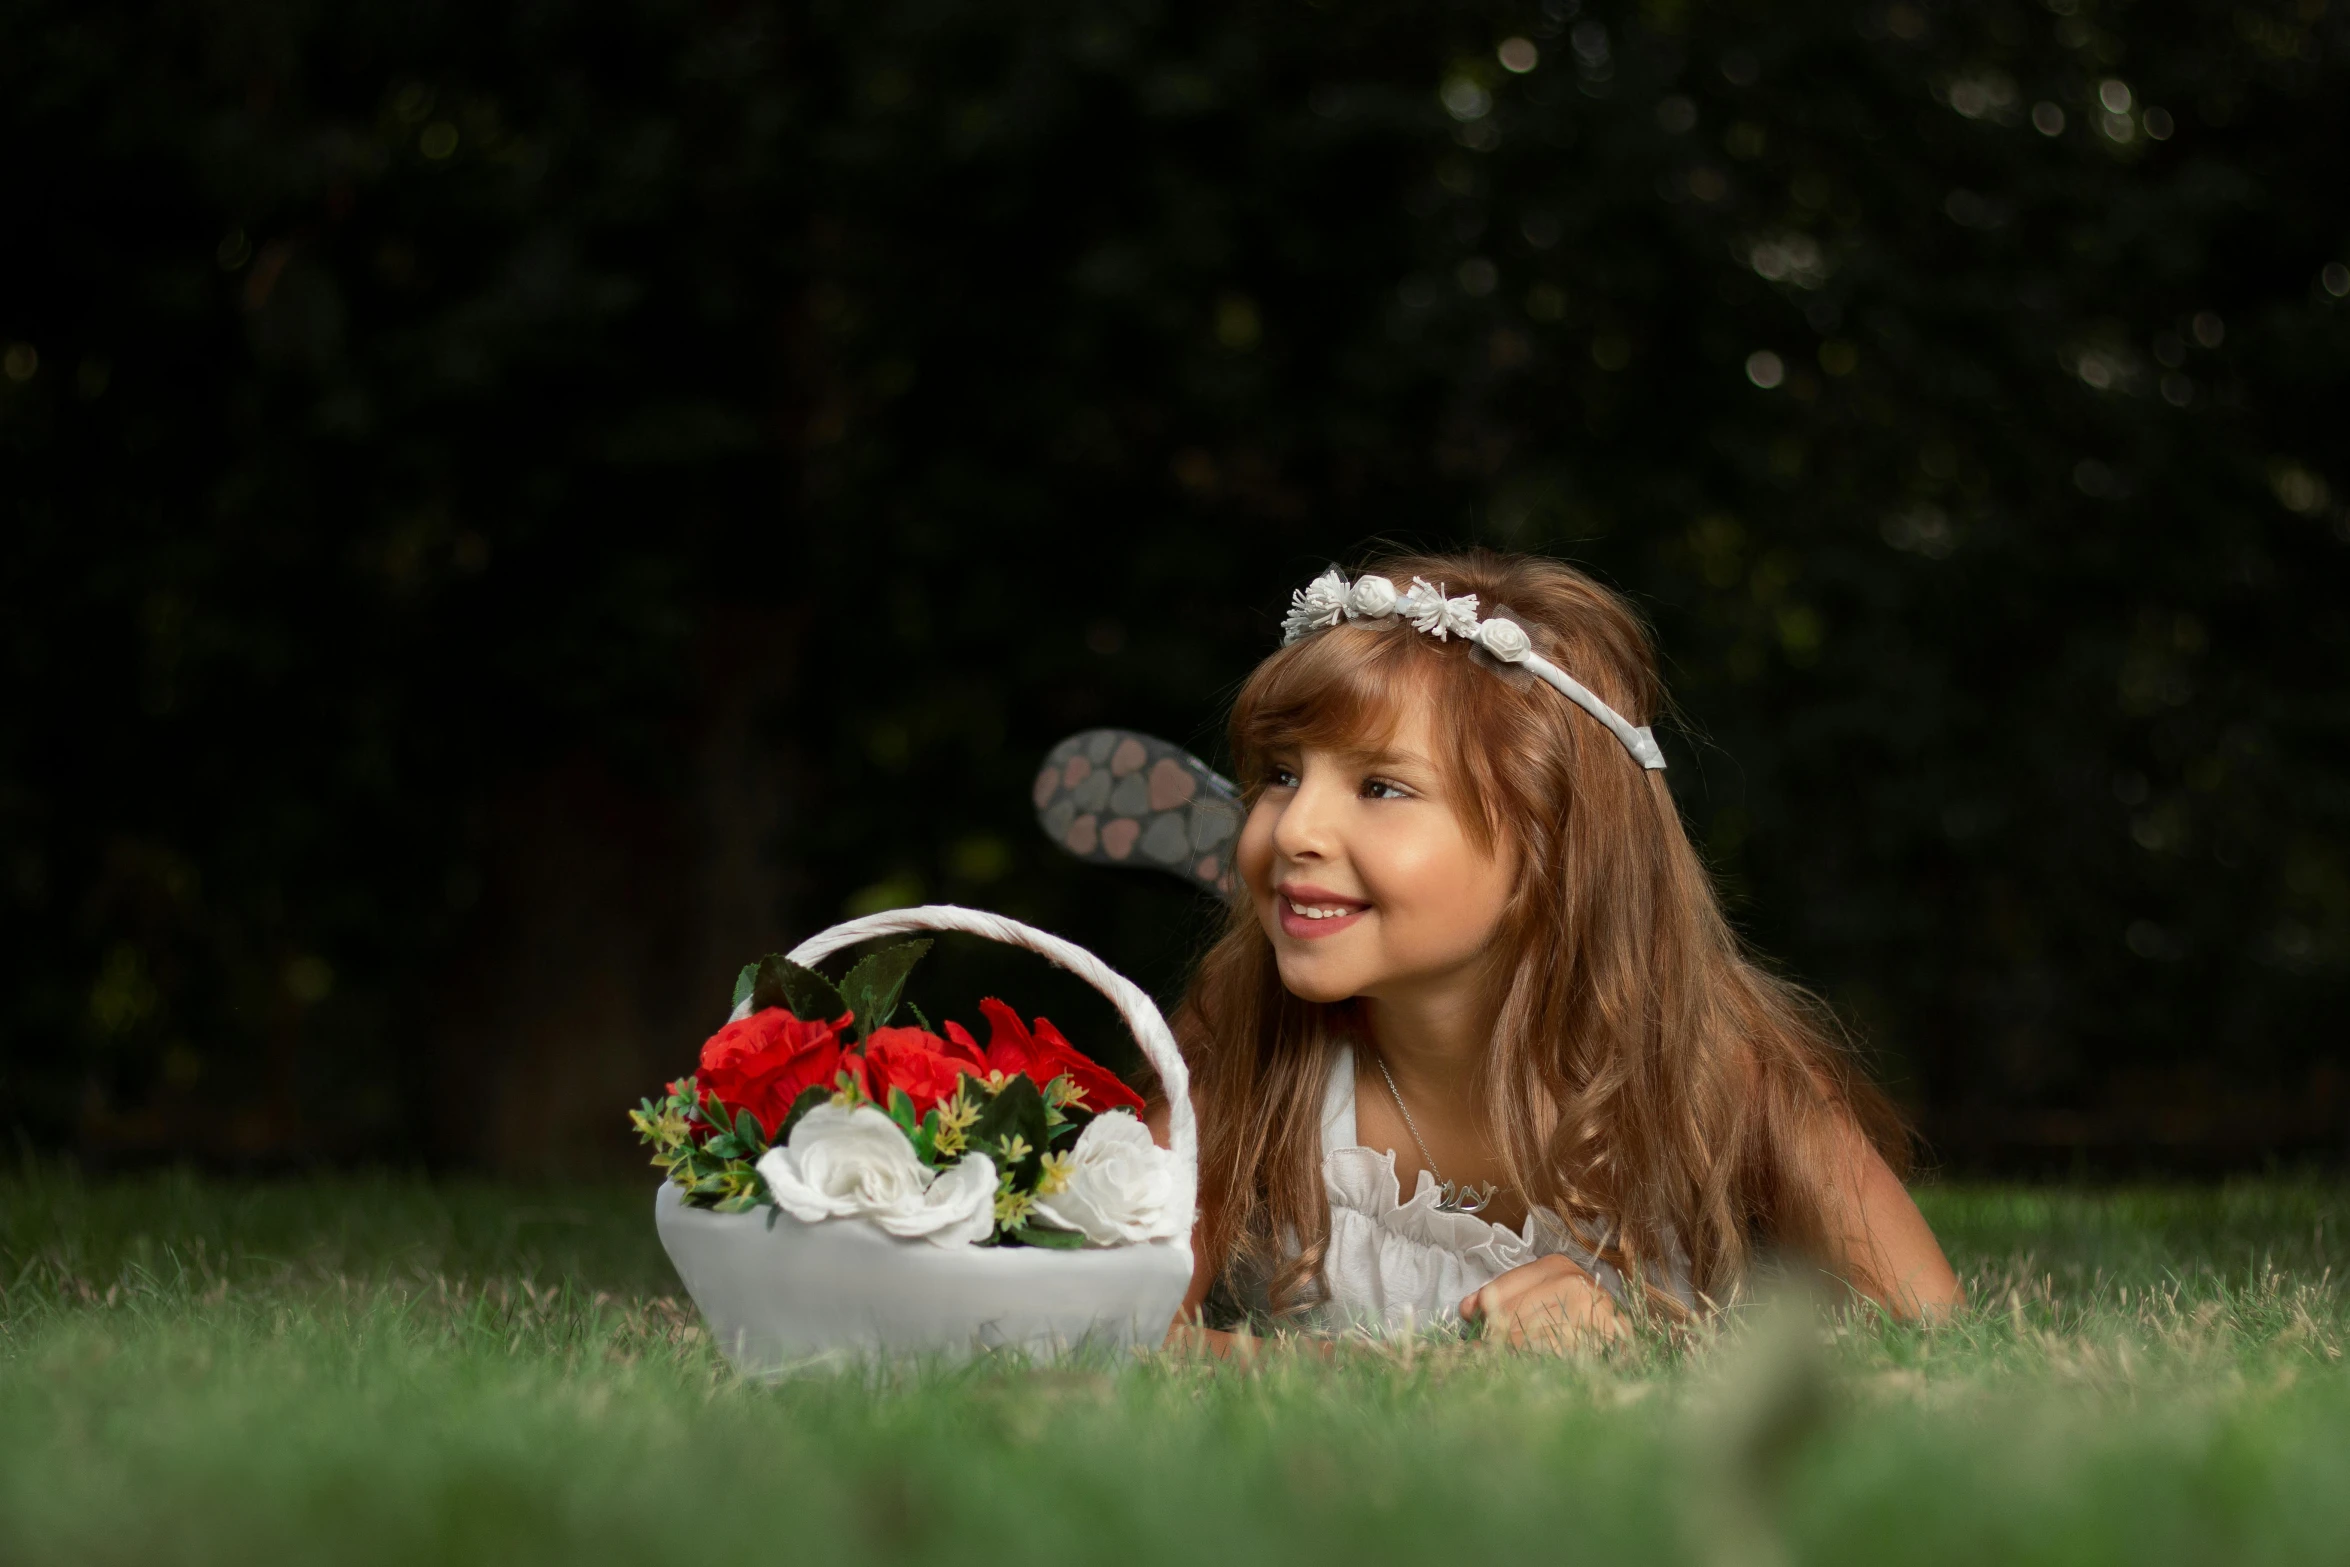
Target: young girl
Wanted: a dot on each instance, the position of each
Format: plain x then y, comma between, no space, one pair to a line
1479,962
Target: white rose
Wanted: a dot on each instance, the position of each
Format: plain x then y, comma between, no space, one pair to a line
959,1208
843,1163
1122,1186
1505,640
1372,598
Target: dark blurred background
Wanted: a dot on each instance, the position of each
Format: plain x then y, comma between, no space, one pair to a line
513,510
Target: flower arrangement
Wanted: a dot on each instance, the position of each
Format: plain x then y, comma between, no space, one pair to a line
812,1102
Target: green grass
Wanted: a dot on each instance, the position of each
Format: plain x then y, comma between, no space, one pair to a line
388,1371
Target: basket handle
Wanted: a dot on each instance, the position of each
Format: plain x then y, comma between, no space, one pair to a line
1132,1001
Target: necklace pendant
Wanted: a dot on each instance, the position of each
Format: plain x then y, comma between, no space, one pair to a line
1451,1196
1454,1197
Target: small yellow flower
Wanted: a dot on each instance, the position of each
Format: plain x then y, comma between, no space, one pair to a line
667,1131
956,1117
1012,1208
1016,1149
1056,1173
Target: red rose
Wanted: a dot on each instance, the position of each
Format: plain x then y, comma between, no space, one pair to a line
1044,1055
910,1059
961,1047
764,1062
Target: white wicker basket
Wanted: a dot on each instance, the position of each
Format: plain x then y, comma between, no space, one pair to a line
779,1294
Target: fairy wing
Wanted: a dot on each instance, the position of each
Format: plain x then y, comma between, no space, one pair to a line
1115,797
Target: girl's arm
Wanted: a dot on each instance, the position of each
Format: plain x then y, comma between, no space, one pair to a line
1878,1241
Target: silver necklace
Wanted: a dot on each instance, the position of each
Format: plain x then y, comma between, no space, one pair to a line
1450,1198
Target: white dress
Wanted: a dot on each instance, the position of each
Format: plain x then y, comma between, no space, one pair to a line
1395,1266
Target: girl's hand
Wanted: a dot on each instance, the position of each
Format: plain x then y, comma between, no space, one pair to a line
1547,1304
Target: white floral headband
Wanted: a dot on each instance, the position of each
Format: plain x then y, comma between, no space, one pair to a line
1330,598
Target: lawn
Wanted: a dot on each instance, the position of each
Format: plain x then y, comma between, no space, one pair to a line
359,1371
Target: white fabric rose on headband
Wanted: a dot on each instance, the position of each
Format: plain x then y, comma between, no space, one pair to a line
1505,640
1373,598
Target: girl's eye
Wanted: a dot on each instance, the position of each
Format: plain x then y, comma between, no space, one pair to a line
1382,789
1281,778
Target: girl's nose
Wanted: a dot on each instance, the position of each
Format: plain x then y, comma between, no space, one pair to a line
1305,829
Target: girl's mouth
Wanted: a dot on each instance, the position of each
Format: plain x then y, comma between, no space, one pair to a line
1309,913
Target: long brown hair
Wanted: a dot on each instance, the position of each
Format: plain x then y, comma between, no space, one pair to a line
1646,1080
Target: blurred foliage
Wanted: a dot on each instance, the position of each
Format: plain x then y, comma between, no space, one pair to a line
400,401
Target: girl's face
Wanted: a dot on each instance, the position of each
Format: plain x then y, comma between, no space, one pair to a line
1363,875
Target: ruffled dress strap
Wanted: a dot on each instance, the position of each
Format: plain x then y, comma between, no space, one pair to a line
1338,1103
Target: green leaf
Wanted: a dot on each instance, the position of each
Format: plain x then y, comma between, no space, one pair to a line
809,1099
1075,1119
901,1110
802,992
872,988
744,983
749,1133
921,1022
1016,1110
1045,1237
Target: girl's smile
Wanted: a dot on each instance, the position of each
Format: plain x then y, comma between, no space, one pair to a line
1309,912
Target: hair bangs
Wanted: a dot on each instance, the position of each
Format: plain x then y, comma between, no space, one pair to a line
1346,690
